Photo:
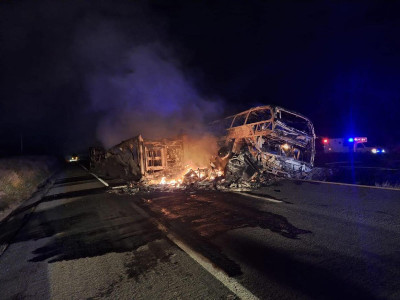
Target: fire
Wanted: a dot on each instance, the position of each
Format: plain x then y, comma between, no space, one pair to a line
189,176
174,182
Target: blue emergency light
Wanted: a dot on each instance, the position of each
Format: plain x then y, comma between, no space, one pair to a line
351,140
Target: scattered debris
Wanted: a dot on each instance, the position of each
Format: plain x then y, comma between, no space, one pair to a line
256,147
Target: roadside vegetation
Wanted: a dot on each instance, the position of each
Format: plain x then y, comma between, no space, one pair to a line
20,178
388,184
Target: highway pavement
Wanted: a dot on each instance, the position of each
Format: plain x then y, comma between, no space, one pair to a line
291,240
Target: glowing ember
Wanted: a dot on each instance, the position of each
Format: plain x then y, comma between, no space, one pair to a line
173,182
189,176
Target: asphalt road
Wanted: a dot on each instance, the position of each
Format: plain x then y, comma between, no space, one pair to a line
295,240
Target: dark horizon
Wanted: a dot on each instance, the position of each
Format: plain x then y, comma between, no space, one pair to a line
78,74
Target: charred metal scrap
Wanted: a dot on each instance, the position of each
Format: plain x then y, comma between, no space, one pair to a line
265,140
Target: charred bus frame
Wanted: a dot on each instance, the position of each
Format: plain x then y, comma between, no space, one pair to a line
282,141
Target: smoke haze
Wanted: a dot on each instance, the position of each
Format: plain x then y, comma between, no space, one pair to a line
78,73
137,85
199,150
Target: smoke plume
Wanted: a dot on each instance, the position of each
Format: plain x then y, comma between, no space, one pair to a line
137,85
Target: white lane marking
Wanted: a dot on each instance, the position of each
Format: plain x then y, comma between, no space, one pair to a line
259,197
233,285
349,184
98,178
119,187
84,167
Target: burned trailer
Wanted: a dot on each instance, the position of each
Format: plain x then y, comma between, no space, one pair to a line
266,139
136,158
164,155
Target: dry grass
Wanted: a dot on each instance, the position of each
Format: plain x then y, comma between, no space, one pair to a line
20,177
388,184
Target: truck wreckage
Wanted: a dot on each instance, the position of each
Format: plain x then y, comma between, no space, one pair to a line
254,146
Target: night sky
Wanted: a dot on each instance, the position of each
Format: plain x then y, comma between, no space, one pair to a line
79,73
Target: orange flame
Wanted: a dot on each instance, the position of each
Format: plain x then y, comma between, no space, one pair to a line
200,173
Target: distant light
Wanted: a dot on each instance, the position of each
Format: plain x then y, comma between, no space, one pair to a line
285,146
383,150
378,151
360,139
374,151
351,140
325,141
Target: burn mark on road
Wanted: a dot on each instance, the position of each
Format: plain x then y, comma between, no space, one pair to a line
88,227
210,214
107,291
197,218
73,194
264,195
146,258
383,212
74,179
92,180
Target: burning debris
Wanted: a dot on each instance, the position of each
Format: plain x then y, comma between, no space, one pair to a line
169,162
256,147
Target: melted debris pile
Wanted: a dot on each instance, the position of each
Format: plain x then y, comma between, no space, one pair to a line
241,174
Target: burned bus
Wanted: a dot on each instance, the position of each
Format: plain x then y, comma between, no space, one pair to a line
274,139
